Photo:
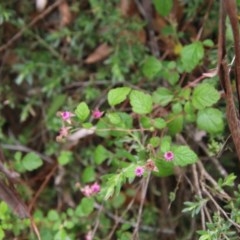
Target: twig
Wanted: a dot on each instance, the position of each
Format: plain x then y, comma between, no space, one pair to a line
196,183
144,192
42,187
33,22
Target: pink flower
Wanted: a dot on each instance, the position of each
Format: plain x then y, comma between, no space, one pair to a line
87,191
169,156
66,116
139,171
95,188
88,236
63,133
97,114
90,190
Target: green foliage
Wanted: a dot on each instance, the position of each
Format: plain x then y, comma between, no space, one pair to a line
183,156
191,56
31,161
204,95
82,111
151,67
210,120
141,102
163,7
152,103
118,95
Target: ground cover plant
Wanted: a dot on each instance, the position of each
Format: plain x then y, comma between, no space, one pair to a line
118,120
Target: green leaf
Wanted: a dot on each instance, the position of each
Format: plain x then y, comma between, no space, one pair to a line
85,207
114,118
88,174
166,144
82,111
162,96
210,120
31,161
100,154
2,234
159,123
146,122
151,67
163,7
175,124
118,95
141,102
191,55
183,156
204,95
164,168
155,141
65,157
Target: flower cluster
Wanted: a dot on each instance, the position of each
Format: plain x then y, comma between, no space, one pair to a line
90,190
149,166
66,118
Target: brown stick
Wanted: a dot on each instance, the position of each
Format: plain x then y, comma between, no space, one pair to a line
229,7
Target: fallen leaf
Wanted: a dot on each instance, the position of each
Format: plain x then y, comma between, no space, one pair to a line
65,13
101,52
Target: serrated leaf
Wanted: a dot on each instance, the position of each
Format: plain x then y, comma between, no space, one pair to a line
191,55
32,161
183,156
204,95
151,67
155,141
175,124
114,118
88,174
165,144
100,154
210,120
163,7
164,168
159,123
141,102
82,111
162,96
118,95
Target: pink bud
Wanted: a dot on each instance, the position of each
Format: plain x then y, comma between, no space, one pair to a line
66,116
97,114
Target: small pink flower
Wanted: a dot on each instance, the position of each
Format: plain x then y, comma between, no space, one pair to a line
169,156
87,191
64,131
66,116
88,236
139,171
95,188
97,114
